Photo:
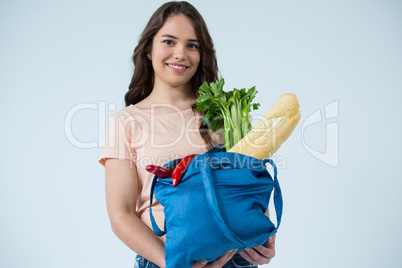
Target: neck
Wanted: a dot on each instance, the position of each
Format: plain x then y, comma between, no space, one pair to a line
178,96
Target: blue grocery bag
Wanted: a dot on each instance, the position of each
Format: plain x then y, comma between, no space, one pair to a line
219,205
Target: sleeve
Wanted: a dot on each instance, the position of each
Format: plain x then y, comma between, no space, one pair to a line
118,139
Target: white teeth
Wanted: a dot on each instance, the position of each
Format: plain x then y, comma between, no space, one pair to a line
177,67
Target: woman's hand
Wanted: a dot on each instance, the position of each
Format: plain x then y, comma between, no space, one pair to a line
218,263
262,254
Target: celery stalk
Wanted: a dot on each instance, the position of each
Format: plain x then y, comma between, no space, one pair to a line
227,110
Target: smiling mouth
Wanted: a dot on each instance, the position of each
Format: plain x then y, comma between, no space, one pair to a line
177,66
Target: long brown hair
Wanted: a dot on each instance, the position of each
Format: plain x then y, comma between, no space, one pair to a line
142,82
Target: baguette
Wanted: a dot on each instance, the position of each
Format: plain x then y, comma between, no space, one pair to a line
265,138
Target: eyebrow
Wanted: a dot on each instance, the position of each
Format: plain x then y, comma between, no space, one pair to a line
174,37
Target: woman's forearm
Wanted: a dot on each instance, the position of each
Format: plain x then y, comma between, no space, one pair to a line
136,235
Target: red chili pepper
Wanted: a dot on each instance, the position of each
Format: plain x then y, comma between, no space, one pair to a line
181,168
159,172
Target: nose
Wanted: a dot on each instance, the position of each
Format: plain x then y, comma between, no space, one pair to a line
179,53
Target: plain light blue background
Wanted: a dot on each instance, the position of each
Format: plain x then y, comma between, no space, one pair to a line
56,55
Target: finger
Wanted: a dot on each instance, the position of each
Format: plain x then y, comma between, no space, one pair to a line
234,251
271,240
247,257
199,264
254,257
261,254
222,260
268,250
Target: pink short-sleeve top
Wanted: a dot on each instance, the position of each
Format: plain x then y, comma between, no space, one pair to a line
146,138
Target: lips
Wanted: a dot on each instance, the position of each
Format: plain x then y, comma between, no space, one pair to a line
176,67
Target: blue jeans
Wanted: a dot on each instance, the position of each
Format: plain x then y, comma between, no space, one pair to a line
236,262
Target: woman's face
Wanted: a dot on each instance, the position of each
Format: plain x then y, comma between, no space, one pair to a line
175,52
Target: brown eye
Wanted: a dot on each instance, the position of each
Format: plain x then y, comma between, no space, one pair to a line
168,42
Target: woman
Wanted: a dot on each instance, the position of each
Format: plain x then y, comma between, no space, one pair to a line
173,57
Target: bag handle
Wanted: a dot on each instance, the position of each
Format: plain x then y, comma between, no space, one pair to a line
278,201
155,227
213,204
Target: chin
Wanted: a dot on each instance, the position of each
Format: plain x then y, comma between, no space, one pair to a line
179,83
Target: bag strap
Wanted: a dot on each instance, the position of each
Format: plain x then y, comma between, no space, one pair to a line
155,227
278,201
213,204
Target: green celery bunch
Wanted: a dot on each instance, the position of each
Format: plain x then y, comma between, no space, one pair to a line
227,110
